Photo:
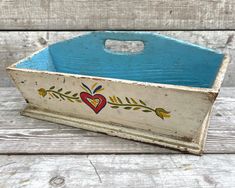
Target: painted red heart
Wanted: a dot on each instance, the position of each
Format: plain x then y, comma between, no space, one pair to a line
96,102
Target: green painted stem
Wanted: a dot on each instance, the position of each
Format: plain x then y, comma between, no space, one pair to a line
58,93
134,105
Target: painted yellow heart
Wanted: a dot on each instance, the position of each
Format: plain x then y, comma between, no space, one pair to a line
94,102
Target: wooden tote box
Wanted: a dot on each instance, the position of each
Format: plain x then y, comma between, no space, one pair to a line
162,94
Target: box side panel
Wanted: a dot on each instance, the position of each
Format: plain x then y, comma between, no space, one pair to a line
165,112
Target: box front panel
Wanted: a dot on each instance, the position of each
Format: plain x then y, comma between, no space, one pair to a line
167,112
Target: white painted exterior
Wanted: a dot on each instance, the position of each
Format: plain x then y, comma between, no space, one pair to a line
189,107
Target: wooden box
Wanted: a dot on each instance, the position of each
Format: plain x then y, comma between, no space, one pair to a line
162,94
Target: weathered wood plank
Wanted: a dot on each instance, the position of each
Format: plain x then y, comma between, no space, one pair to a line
122,14
17,45
20,134
117,171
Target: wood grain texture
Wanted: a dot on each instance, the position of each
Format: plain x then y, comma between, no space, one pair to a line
17,45
139,171
20,134
122,14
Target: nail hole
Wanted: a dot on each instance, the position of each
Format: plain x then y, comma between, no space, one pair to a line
57,181
42,41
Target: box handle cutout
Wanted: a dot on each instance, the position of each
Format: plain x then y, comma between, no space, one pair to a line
123,47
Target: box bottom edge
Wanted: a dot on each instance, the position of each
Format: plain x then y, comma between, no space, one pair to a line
113,130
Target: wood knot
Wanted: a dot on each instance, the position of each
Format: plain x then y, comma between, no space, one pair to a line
42,41
57,181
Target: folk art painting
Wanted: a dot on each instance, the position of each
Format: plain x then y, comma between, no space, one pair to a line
96,101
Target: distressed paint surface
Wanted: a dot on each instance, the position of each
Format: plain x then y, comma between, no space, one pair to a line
163,59
185,122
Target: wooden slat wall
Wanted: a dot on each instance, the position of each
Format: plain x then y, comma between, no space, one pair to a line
22,135
113,14
17,45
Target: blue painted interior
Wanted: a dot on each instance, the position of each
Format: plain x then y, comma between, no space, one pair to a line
41,61
163,59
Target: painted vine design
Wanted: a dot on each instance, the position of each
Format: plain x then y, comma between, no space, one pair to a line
96,101
132,104
59,94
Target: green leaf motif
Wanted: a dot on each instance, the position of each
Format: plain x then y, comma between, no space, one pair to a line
133,100
51,95
127,108
136,108
142,102
52,87
70,100
146,110
55,95
59,90
111,99
62,97
74,95
67,92
114,106
119,100
127,100
115,99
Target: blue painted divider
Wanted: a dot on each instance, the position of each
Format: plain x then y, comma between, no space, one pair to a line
163,59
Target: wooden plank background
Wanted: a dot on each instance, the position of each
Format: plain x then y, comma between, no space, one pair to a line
121,14
117,171
33,143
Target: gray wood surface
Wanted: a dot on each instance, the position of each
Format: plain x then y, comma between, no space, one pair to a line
121,171
17,45
20,134
122,14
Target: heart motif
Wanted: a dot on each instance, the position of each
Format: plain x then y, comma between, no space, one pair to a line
96,102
